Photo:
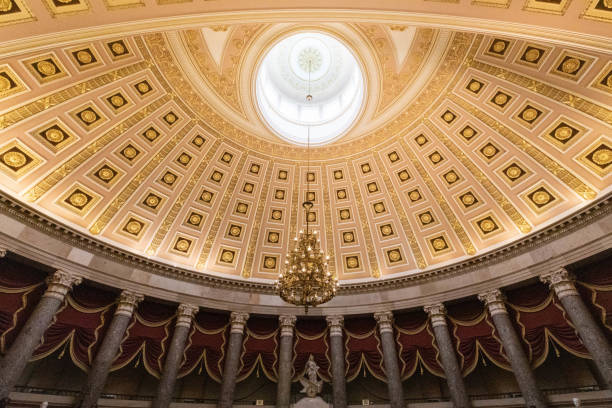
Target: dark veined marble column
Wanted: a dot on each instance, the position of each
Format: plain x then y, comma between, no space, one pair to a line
29,337
456,386
494,300
335,324
232,359
285,361
108,350
590,333
174,357
394,382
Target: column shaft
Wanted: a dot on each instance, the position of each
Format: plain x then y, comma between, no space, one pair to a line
108,350
448,358
174,357
337,359
516,355
394,382
232,359
285,361
590,333
20,352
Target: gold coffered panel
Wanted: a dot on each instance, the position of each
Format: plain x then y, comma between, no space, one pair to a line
152,142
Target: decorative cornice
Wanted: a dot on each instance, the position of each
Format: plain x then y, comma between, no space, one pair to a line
238,321
384,321
436,313
60,283
185,314
41,222
335,324
494,301
287,323
561,281
127,303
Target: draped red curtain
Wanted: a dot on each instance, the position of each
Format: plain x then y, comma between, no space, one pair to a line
363,350
81,322
416,345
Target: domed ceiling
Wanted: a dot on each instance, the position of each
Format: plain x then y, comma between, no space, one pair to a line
139,125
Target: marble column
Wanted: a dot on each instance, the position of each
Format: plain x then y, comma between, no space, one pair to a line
494,301
20,352
108,349
589,331
335,324
285,361
165,388
232,359
391,363
454,378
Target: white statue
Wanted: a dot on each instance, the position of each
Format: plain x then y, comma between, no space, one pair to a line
311,385
44,404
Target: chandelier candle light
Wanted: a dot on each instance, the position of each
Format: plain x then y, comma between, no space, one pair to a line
306,280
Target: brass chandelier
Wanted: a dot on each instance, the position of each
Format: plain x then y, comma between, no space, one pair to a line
306,280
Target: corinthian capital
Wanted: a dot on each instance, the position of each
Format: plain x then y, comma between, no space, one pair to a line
127,303
437,314
561,281
385,321
287,323
60,283
238,321
494,301
335,324
2,252
185,313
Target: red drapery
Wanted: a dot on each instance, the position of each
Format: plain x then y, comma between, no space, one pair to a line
259,348
311,338
362,347
416,345
206,344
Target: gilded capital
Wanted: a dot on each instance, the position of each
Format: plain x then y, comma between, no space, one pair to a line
335,324
127,303
561,281
494,301
437,314
385,321
185,313
287,323
60,283
238,321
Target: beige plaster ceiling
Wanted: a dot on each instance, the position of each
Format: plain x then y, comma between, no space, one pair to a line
151,141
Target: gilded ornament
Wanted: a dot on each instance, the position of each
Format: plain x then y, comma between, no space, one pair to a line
5,84
414,195
242,208
226,157
468,199
206,196
448,116
529,114
421,140
372,187
393,157
513,172
216,176
46,68
436,158
352,262
227,256
541,197
78,199
312,217
426,218
14,159
54,135
345,214
499,46
500,99
198,141
88,116
386,230
182,245
348,237
151,134
609,81
439,244
379,207
450,177
365,168
404,176
270,263
277,215
130,152
170,118
489,151
273,237
184,159
152,201
338,175
143,87
570,65
235,231
341,194
169,178
475,86
394,255
468,132
195,219
602,157
106,174
248,188
118,48
487,225
117,101
563,133
6,6
84,57
532,55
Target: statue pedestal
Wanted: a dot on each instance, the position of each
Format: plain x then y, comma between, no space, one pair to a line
311,403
